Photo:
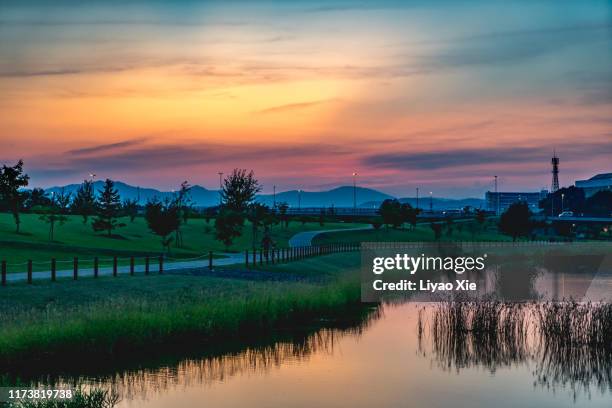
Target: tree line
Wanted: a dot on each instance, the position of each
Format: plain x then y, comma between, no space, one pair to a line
104,209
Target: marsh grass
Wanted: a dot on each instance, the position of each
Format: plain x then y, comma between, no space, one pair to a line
570,342
121,320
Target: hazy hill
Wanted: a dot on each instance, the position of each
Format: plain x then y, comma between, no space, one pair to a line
203,197
338,197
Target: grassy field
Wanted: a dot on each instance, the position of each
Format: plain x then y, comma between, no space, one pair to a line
110,316
77,239
464,231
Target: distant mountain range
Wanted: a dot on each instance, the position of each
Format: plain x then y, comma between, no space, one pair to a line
338,197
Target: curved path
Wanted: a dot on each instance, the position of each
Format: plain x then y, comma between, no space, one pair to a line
305,238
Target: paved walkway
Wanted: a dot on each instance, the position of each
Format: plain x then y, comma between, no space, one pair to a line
305,238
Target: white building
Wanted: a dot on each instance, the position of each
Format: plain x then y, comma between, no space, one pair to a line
596,183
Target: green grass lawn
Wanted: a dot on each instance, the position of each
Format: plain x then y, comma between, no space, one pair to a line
423,232
77,239
109,315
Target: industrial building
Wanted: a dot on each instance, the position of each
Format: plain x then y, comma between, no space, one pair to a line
500,201
596,183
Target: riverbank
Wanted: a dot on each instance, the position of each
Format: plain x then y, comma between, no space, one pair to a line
113,317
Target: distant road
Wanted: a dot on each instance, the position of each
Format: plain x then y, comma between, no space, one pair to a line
305,238
580,219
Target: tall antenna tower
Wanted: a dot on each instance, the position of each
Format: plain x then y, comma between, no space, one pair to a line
555,172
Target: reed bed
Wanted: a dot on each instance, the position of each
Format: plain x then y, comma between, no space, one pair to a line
125,324
570,342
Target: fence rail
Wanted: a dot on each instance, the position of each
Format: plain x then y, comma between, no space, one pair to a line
253,258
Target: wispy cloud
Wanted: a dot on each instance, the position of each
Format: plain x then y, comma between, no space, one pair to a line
107,147
452,159
294,106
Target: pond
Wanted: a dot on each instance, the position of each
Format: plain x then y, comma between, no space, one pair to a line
386,359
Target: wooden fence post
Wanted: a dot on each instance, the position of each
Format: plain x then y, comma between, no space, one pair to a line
131,265
254,257
115,266
75,268
146,265
210,260
29,271
96,266
161,264
53,269
260,256
246,258
3,273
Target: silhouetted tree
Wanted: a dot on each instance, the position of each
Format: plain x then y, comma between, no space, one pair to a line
480,216
108,206
163,219
437,230
183,203
37,197
599,204
239,190
256,215
63,200
409,214
391,213
449,226
12,180
282,213
209,213
84,203
130,209
228,226
55,212
516,221
376,222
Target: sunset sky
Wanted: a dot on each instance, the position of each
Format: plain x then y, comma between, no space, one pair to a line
438,94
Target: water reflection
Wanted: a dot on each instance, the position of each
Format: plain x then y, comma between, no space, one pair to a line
370,361
570,343
280,347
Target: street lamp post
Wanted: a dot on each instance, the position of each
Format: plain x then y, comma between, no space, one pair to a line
354,193
299,199
220,185
431,202
274,196
562,203
496,198
417,198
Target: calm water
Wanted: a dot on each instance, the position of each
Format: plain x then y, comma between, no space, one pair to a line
380,362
